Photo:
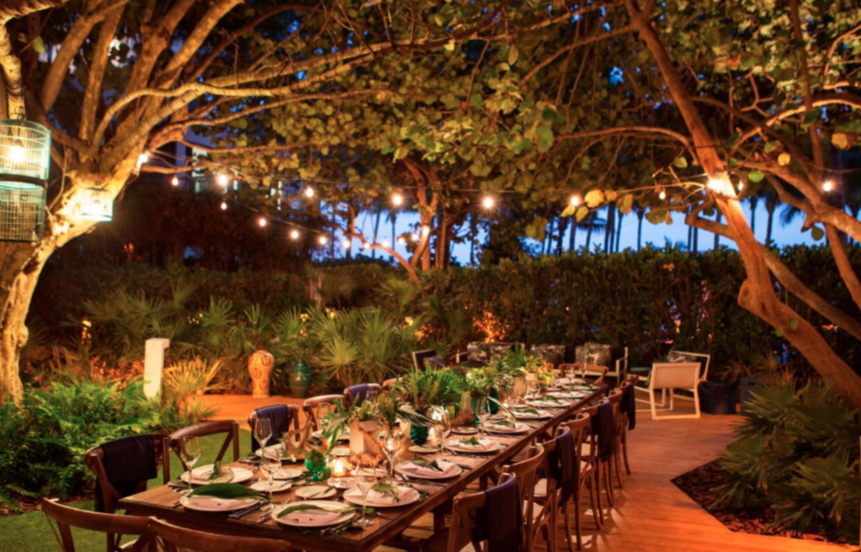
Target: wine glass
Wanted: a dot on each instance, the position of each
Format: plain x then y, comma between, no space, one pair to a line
189,452
271,464
366,479
532,386
442,424
391,447
583,372
263,432
482,411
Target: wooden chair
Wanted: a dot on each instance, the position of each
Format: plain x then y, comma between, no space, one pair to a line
526,471
581,429
291,419
311,407
230,427
672,376
592,371
615,398
628,386
599,466
175,538
95,457
348,396
388,384
113,525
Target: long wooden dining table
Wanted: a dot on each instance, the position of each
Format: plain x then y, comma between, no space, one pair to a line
159,502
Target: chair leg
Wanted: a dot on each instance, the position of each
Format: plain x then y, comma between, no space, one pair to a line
608,482
595,497
577,513
625,451
672,396
652,403
697,400
663,398
617,455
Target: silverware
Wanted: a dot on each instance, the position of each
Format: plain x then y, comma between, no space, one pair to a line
247,510
176,504
338,527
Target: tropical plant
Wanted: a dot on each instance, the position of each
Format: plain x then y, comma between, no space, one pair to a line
424,389
798,454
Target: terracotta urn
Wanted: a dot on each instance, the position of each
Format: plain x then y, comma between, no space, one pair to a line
260,366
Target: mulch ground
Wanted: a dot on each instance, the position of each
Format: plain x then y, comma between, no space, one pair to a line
698,485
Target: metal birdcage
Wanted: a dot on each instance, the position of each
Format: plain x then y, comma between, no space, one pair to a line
24,163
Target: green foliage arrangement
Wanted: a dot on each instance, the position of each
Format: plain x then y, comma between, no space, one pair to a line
421,390
798,454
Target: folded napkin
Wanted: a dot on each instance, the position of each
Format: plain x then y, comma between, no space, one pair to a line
500,522
387,498
429,472
213,502
313,516
563,465
201,474
602,426
485,444
128,462
502,427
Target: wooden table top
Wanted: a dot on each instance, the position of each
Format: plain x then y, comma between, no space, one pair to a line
158,502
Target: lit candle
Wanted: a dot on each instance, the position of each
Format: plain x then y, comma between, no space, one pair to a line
338,469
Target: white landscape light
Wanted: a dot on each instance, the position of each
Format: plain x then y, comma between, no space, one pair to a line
96,204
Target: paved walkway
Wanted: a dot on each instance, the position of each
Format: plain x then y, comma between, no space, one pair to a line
651,513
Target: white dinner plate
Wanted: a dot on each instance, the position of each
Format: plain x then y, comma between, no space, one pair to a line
212,504
488,446
464,430
421,449
407,495
548,404
277,487
405,468
343,437
518,428
288,473
200,476
306,518
315,491
269,451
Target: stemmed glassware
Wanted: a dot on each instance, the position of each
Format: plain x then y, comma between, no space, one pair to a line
583,372
366,479
391,447
263,432
482,411
271,464
442,424
189,452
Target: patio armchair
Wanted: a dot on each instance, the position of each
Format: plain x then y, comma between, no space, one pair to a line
678,356
672,376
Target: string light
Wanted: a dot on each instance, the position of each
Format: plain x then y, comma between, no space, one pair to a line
397,200
309,192
143,158
294,234
174,181
401,240
346,244
17,152
425,230
385,243
323,240
262,222
222,180
223,205
662,195
487,202
574,201
366,245
414,237
827,186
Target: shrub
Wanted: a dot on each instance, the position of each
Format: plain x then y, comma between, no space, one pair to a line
798,453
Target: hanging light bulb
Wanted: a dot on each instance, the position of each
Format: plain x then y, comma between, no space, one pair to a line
827,186
222,180
487,202
574,201
414,237
385,243
662,195
223,205
397,200
294,234
366,245
174,181
309,192
17,152
346,244
401,240
323,240
261,222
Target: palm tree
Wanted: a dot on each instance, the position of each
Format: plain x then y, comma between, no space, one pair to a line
754,201
641,212
771,202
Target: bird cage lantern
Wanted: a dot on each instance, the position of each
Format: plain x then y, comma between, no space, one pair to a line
24,163
96,204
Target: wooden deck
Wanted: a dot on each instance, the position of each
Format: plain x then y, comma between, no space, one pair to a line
651,513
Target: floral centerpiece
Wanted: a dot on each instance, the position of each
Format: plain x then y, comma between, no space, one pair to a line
419,391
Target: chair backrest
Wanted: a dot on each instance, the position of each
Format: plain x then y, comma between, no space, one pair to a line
685,356
526,472
312,407
111,524
291,419
581,429
388,384
348,394
463,516
592,370
674,375
229,427
95,460
421,358
178,538
615,398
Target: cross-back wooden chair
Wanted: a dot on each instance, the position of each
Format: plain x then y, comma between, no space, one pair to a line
229,427
460,534
580,428
175,538
111,524
600,467
527,472
311,407
373,388
95,460
615,398
628,386
291,420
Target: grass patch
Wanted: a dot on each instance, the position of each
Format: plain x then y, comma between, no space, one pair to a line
31,533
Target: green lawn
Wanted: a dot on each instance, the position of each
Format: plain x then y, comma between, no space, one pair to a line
30,532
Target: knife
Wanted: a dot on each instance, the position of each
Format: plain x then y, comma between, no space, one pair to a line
241,513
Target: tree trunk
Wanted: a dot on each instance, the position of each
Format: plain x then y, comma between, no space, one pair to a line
640,214
619,230
563,225
589,232
611,225
768,226
753,202
376,230
572,239
717,236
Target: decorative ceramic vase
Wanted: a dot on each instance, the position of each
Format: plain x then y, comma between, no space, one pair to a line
360,435
300,379
318,469
419,435
260,366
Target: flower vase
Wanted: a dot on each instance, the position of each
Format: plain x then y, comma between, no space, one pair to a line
260,366
419,435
